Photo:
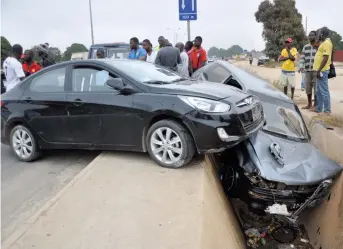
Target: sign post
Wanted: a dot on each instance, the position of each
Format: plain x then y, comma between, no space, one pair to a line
188,12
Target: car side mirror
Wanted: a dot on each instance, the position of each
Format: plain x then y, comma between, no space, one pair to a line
118,84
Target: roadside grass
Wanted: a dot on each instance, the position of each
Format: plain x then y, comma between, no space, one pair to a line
272,64
335,120
332,120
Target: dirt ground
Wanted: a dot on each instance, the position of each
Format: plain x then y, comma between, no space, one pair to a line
272,74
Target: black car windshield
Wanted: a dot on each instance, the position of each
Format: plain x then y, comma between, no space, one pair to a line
146,72
284,121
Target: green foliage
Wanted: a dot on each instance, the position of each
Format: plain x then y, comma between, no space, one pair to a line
74,48
220,52
280,19
6,49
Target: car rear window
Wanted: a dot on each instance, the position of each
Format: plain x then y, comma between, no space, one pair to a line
112,53
284,121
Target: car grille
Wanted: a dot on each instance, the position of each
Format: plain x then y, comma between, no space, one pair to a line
248,120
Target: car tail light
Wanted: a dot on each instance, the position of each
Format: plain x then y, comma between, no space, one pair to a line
2,103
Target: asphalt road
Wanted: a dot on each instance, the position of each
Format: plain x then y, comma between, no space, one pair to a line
25,187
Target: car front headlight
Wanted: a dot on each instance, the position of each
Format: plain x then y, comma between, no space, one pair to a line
206,105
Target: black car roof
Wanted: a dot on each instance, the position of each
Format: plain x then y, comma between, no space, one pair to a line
92,61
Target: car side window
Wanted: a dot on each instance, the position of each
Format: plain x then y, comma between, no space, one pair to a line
87,79
49,82
217,74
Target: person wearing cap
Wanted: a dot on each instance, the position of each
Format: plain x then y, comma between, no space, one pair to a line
13,69
161,43
30,66
287,57
197,55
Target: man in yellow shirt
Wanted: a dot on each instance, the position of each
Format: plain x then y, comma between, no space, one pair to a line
321,65
288,55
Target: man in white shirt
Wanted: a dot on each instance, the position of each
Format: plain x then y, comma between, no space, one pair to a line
151,54
13,69
182,68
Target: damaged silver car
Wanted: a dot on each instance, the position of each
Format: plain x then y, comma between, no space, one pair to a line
277,171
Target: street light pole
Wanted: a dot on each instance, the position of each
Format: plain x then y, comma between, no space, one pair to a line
189,30
91,20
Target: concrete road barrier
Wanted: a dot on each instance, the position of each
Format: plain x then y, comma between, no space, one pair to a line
124,200
324,224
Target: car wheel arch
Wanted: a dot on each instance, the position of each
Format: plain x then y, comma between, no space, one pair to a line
13,123
160,117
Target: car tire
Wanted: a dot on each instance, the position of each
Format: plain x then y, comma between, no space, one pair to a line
24,144
170,144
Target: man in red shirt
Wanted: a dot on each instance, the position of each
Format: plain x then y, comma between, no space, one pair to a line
197,55
29,65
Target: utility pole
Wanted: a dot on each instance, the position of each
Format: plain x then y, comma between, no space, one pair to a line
91,20
306,26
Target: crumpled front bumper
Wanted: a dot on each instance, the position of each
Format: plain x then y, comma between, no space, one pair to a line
292,202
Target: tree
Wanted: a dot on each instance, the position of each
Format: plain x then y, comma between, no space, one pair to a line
74,48
6,49
280,20
336,39
220,52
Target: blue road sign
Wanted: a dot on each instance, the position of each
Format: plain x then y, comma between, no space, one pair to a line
188,10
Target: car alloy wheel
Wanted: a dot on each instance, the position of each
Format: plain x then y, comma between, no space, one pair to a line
170,144
166,145
23,144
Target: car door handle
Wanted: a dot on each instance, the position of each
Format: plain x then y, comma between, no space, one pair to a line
28,100
78,102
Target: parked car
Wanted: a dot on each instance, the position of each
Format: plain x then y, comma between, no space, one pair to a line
125,105
262,60
278,165
117,50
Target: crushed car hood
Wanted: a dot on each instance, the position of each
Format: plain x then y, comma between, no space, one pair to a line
304,164
202,89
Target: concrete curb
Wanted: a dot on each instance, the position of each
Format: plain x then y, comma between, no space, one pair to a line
17,234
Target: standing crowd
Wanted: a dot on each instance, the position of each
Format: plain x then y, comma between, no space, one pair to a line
20,65
183,58
316,65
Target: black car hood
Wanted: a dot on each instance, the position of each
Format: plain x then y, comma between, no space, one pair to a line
204,89
304,164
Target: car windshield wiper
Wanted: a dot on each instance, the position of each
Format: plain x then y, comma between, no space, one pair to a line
157,82
181,79
278,134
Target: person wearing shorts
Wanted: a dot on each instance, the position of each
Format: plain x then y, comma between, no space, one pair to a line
288,55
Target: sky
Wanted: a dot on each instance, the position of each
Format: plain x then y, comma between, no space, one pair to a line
221,23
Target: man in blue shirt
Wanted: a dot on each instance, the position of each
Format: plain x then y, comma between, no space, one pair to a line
137,53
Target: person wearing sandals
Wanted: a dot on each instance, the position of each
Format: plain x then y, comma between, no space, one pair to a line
306,68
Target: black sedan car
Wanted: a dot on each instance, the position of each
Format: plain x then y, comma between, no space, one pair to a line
125,105
278,165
